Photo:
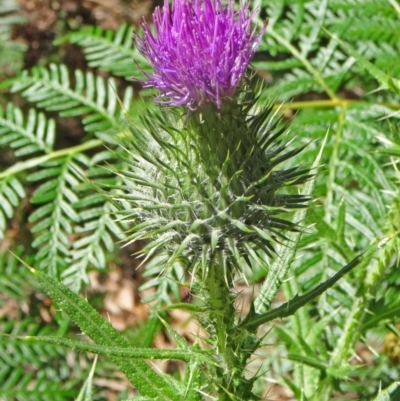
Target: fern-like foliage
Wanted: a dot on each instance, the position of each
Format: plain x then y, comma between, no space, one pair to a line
44,382
28,135
66,206
11,52
14,282
308,59
9,17
55,214
97,231
110,51
357,186
11,193
92,97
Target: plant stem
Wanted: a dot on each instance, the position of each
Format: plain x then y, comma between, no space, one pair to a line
333,164
330,104
222,319
395,6
25,165
304,61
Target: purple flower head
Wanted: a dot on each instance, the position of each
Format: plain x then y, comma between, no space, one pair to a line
199,51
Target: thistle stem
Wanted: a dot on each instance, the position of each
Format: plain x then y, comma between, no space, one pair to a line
222,319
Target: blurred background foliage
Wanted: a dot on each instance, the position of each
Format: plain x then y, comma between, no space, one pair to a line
66,70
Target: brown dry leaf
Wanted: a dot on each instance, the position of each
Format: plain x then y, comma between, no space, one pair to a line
122,306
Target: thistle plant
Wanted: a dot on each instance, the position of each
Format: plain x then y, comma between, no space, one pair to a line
205,183
224,188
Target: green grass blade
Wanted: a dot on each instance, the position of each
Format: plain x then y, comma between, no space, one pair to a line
86,393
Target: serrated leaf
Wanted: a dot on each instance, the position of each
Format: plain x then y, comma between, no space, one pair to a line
101,331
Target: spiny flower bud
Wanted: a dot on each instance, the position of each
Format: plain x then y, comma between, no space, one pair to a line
199,52
191,209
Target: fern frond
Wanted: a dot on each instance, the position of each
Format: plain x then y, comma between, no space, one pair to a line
25,373
55,218
96,233
92,96
8,17
355,188
372,29
14,282
11,52
19,385
165,283
11,193
294,83
290,26
385,56
17,353
366,8
27,136
295,33
110,51
97,229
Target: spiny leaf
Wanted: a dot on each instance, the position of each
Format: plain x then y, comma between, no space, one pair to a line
391,393
290,307
185,354
101,331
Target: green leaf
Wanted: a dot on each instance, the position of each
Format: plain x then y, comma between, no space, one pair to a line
192,381
298,392
26,135
110,51
102,333
54,218
11,193
86,393
307,360
24,373
290,307
287,252
92,97
391,393
386,80
185,354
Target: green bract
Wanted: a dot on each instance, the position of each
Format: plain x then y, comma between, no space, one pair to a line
212,182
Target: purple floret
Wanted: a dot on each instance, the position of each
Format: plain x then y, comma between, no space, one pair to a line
199,51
